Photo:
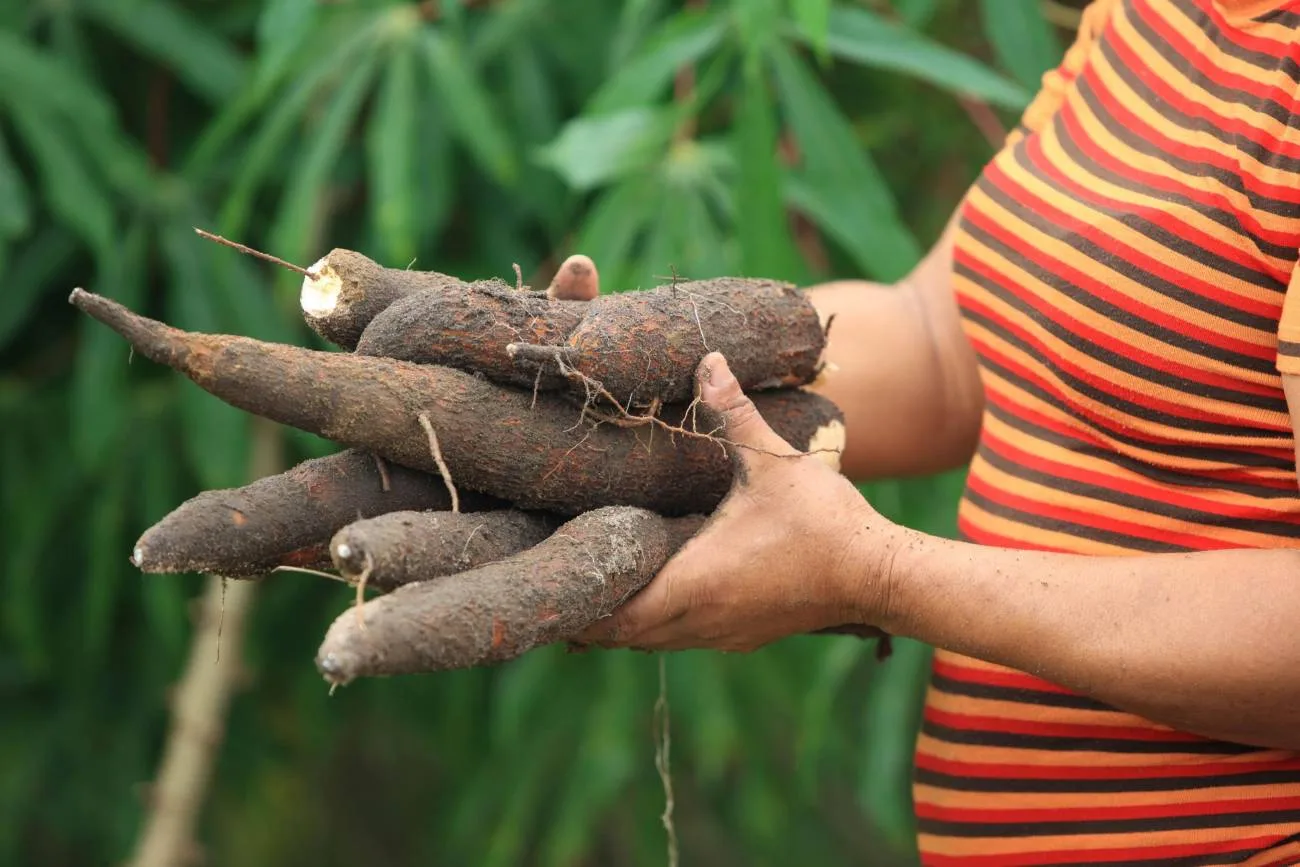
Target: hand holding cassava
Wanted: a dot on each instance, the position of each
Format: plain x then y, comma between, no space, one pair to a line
519,463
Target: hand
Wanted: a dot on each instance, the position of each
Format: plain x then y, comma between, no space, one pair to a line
794,548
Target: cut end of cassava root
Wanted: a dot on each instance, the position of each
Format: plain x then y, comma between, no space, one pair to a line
349,290
320,289
537,453
544,595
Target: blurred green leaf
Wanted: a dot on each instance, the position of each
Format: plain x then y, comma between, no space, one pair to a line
277,125
767,249
392,154
681,40
70,189
103,575
99,387
916,13
28,274
302,208
836,184
860,36
469,107
15,211
282,28
201,59
1024,41
814,19
592,151
216,434
32,78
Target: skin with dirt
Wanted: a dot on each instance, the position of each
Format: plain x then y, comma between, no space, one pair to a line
494,613
405,547
535,452
644,347
286,519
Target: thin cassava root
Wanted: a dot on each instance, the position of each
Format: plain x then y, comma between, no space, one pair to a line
406,547
546,594
534,452
286,519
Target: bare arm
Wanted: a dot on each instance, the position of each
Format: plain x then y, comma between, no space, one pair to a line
902,347
1162,636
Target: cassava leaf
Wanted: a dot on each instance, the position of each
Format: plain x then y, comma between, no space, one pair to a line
681,40
469,107
836,184
1025,43
592,151
208,65
391,151
860,36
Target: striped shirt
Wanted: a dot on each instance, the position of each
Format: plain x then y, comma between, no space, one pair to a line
1122,267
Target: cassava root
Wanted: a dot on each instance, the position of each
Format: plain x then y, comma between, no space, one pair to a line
405,547
286,519
535,453
546,594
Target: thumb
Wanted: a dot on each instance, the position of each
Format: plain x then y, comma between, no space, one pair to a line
577,280
748,434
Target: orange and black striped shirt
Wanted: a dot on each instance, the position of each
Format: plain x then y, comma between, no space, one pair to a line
1126,268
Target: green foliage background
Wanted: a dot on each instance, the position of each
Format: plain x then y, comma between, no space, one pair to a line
463,137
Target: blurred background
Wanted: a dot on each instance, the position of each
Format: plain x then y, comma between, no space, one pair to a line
796,139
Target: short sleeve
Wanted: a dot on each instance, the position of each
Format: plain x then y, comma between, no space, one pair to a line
1056,81
1288,328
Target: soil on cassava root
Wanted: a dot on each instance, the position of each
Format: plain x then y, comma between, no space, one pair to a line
468,327
643,347
549,593
405,547
533,451
287,519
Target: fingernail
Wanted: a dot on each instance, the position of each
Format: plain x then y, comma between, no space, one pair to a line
715,376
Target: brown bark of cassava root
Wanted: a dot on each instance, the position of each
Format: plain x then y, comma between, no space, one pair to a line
546,594
468,327
348,290
643,347
404,547
286,519
495,440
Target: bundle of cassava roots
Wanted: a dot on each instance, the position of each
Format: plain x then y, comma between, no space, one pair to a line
515,463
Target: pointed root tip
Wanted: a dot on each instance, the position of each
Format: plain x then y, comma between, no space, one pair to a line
334,668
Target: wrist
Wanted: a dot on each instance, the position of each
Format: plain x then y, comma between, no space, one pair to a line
876,563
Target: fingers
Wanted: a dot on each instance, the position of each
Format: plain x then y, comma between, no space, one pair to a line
743,425
577,280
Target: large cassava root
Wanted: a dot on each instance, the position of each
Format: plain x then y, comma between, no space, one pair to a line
286,519
537,454
546,594
404,547
643,347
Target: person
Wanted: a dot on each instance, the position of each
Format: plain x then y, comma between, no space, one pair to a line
1109,333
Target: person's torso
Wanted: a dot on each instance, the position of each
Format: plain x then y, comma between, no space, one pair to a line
1121,272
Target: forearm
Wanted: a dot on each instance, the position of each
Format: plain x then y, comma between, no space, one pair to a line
1203,642
902,372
